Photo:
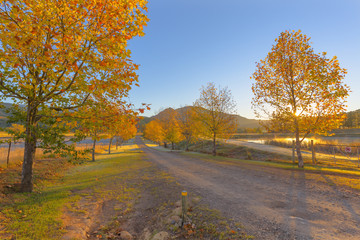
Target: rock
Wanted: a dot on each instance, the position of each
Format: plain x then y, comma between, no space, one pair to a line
174,219
146,235
124,235
178,203
161,236
195,200
177,211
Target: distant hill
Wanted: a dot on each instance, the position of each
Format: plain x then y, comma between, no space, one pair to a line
4,115
142,122
352,120
3,112
242,122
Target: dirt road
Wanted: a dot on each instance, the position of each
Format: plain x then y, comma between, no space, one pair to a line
271,203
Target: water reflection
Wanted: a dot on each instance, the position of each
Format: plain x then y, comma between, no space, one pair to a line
317,140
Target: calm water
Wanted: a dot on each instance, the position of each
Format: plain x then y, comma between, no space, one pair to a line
330,140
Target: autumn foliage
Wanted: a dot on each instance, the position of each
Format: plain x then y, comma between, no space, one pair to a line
298,89
56,55
154,131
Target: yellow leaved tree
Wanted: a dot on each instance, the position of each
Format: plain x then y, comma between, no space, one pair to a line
54,55
300,89
154,131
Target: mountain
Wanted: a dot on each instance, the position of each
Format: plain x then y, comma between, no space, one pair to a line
4,115
5,106
242,122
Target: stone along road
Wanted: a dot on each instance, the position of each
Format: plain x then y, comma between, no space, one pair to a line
271,203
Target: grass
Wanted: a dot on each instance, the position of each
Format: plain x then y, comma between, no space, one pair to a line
206,223
17,153
283,165
245,153
37,215
338,176
4,134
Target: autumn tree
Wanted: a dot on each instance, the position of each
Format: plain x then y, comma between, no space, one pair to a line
154,131
188,124
55,54
172,133
299,88
94,124
352,119
122,128
215,108
126,133
170,126
103,120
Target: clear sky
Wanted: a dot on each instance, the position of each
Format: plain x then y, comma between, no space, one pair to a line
191,42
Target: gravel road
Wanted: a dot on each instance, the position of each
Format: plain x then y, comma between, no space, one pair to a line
271,203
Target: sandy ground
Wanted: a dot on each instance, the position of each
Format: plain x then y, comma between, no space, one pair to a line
271,203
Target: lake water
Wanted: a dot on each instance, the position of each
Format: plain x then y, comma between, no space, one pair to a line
319,140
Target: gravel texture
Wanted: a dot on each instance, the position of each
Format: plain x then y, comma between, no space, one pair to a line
271,203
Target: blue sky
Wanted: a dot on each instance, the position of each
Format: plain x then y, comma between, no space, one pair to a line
188,43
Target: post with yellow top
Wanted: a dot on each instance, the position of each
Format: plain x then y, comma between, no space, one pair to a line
183,206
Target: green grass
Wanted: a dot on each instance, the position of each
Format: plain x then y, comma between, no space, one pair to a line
329,175
37,215
282,165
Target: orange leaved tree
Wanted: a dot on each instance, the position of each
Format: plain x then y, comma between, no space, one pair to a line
188,124
122,128
299,88
154,131
170,126
55,54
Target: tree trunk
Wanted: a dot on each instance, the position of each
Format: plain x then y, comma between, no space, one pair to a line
188,139
111,139
8,156
214,145
93,151
29,150
29,156
298,145
172,146
187,146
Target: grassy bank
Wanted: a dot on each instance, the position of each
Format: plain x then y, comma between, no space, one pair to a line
38,215
334,176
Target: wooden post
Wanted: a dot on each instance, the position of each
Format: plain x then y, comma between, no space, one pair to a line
293,151
313,152
183,207
8,156
357,150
